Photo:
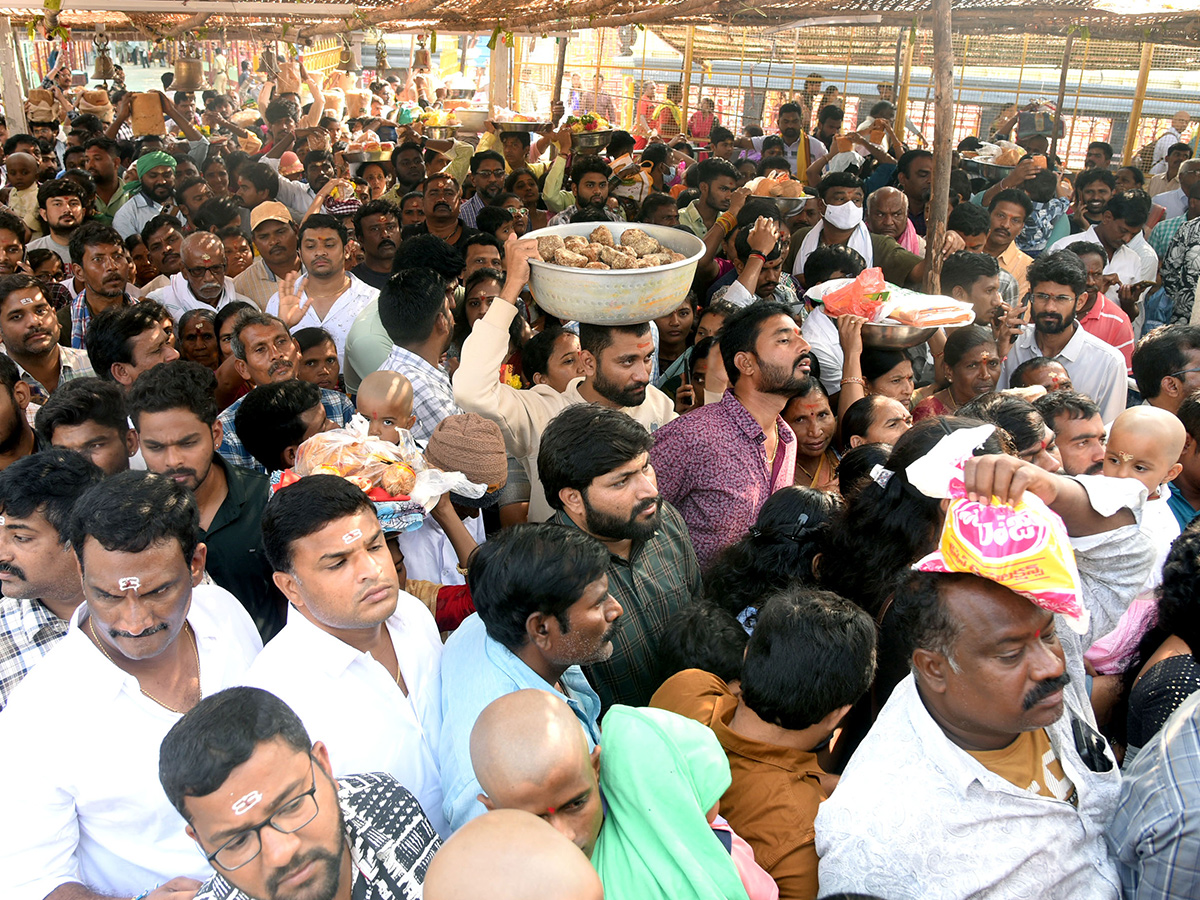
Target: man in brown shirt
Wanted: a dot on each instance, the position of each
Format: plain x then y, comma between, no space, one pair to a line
812,655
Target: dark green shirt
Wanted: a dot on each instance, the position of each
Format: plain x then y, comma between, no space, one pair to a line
235,553
896,262
660,576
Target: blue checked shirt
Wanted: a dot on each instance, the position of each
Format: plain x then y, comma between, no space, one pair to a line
28,630
338,408
433,397
1155,834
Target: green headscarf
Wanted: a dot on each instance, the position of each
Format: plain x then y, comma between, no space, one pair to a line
153,160
660,773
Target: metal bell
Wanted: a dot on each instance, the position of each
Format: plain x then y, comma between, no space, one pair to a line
103,70
381,55
421,58
346,61
189,70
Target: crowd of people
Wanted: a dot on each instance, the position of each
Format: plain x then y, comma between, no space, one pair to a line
681,647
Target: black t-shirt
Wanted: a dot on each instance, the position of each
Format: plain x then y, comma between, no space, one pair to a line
370,276
465,234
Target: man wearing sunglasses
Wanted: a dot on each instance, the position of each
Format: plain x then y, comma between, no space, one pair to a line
263,806
1058,283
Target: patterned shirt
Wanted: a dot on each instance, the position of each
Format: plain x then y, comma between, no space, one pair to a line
470,210
1181,269
27,632
1039,225
660,577
564,217
81,317
712,467
433,397
338,408
1154,834
1162,233
391,842
72,364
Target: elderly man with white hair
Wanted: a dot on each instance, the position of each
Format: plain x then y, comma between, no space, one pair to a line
887,214
202,282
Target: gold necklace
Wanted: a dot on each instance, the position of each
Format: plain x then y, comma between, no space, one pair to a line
195,650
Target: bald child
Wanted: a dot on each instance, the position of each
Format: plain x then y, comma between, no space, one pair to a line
529,753
510,855
1145,443
385,400
22,172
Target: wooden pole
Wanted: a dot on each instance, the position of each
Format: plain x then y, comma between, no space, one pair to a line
1062,93
1139,97
905,80
687,74
938,207
559,67
14,102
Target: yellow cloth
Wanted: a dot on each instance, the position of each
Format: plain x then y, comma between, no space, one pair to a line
425,591
1029,763
25,204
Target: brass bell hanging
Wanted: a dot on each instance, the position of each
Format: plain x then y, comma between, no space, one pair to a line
189,70
103,70
346,61
421,58
381,55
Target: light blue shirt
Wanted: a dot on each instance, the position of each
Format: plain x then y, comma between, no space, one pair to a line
475,671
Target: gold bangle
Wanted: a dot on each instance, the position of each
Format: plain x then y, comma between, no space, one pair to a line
853,380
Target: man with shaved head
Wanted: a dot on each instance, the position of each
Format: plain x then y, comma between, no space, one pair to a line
510,855
202,283
530,753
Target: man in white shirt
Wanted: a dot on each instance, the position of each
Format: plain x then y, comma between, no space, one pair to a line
1175,201
1058,287
202,282
91,820
1170,137
327,296
983,776
359,660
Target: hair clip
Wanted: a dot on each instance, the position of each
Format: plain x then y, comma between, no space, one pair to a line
881,476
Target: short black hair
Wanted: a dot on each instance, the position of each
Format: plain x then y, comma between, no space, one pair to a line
1180,145
595,339
701,635
741,243
280,109
1160,354
652,203
812,652
428,251
483,156
218,212
313,336
904,163
130,511
261,177
48,482
582,443
324,221
82,400
522,136
1015,196
718,134
1105,148
269,419
220,733
1059,267
111,334
304,507
1189,415
741,331
968,220
410,303
963,269
919,619
1088,176
179,384
1031,365
15,140
59,187
1071,404
483,239
772,142
10,222
379,207
91,234
1131,207
587,165
158,223
838,180
185,185
535,355
491,218
1087,248
1134,172
713,168
829,258
527,569
830,113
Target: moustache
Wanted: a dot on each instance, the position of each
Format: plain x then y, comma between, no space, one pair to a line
386,243
298,863
1044,690
648,503
10,569
36,334
161,626
441,206
281,366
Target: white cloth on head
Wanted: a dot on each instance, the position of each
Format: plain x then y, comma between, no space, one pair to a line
860,242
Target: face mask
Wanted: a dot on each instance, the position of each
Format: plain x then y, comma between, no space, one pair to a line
844,216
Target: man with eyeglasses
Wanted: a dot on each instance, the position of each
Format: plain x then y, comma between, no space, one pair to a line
1058,284
263,806
487,174
202,282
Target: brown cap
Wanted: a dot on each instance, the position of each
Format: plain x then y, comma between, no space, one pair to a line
470,444
271,211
